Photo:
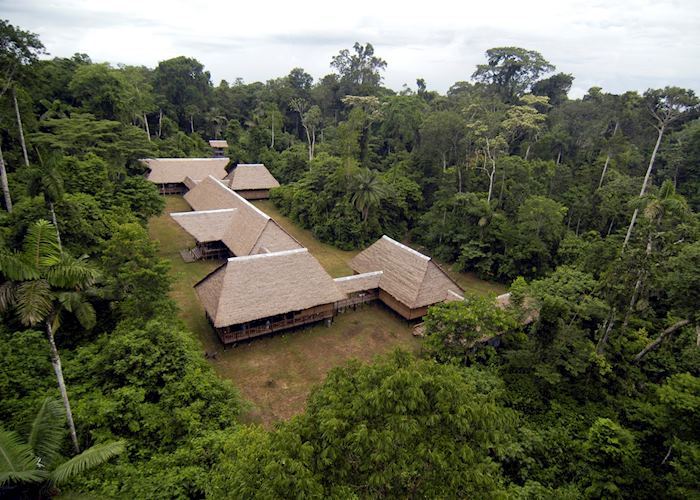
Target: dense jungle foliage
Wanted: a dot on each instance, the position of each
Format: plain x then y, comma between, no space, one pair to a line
586,386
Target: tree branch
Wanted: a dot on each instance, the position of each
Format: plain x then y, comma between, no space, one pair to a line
653,345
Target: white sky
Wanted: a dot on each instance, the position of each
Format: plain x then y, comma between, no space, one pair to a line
615,44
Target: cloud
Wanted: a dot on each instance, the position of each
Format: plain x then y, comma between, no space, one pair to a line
623,45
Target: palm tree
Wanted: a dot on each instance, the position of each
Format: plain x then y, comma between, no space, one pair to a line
37,462
46,181
368,191
40,284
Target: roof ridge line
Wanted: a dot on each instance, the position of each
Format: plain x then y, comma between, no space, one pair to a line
405,247
246,202
270,254
197,212
357,276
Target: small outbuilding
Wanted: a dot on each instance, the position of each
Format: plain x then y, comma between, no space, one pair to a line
410,281
170,174
219,145
259,294
252,181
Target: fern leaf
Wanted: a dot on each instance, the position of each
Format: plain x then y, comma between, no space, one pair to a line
33,301
17,462
90,458
48,431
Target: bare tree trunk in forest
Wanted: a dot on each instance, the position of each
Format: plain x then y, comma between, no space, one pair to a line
191,124
578,223
607,159
5,186
604,339
644,185
56,362
491,173
313,143
160,123
667,332
21,129
145,125
459,179
637,285
558,157
272,125
527,152
55,225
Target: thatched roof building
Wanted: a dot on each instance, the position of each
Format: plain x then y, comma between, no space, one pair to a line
223,216
258,294
410,281
218,143
253,181
170,173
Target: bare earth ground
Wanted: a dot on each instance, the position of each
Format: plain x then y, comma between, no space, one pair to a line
276,373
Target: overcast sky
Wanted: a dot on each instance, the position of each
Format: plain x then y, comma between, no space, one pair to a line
615,44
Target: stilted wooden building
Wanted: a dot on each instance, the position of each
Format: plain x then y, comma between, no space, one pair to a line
224,224
169,174
252,181
410,281
219,146
259,294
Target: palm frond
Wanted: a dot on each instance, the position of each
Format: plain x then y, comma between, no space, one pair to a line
92,457
7,295
41,245
48,431
17,462
85,314
15,267
33,301
72,273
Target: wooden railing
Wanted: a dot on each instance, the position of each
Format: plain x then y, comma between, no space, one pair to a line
255,331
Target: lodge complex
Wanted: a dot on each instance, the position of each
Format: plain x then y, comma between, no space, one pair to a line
269,281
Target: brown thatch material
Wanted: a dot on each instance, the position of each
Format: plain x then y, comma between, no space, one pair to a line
218,143
245,230
453,296
409,276
359,282
174,170
259,286
251,176
190,182
206,225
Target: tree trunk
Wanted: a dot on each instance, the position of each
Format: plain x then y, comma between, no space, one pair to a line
191,124
644,185
160,122
604,339
527,152
607,159
145,125
459,177
21,129
558,157
313,143
653,345
272,125
5,186
308,141
56,362
55,224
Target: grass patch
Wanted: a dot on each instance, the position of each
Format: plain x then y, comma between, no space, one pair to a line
276,373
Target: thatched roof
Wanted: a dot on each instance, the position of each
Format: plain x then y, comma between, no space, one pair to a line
206,225
218,143
190,182
248,176
408,276
359,282
259,286
174,170
245,230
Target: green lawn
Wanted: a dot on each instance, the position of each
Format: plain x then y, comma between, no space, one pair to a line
276,373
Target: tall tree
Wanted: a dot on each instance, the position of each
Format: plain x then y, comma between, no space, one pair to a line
185,86
666,106
39,285
512,70
359,72
367,191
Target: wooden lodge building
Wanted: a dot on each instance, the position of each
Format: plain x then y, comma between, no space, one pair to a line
259,294
171,174
219,146
252,181
410,281
224,224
